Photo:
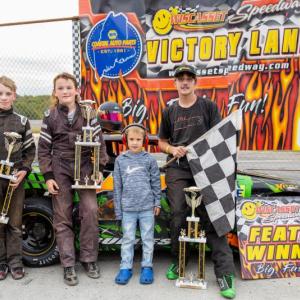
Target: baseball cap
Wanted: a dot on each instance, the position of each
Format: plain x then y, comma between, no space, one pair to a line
185,69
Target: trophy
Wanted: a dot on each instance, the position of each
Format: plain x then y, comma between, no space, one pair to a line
8,172
87,140
194,235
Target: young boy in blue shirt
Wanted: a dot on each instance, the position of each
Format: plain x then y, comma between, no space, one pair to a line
137,195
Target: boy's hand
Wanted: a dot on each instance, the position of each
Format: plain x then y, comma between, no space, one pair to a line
100,178
20,176
52,186
156,211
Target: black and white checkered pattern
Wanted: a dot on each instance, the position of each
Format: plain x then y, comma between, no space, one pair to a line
212,159
76,50
187,10
243,225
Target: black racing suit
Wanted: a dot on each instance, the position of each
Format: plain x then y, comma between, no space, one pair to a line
11,233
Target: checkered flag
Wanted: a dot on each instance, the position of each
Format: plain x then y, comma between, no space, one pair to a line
212,159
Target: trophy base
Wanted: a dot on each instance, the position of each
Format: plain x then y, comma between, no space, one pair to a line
4,219
9,177
88,144
192,284
86,187
200,240
5,163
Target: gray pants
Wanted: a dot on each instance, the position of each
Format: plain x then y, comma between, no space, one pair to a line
88,214
11,233
177,179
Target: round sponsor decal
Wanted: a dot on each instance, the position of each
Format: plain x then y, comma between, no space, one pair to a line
114,46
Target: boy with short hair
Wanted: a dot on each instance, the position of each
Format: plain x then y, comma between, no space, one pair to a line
137,195
22,157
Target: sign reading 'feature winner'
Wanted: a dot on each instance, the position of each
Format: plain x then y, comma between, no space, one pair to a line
269,237
114,46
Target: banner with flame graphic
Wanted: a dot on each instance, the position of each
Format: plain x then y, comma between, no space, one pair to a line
247,54
269,237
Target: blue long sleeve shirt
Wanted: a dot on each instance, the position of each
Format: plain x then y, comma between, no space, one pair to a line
136,182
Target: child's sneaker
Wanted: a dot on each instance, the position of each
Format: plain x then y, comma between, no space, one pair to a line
227,286
3,271
92,269
70,277
17,273
172,272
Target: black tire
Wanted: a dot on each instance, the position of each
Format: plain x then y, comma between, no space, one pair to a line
39,244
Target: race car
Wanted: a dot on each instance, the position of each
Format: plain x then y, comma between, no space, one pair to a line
39,244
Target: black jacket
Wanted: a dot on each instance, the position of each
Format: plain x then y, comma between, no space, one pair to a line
10,121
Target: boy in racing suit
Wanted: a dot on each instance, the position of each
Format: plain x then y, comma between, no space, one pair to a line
56,153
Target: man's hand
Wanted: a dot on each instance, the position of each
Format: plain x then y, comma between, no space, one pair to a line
52,186
179,151
20,175
156,211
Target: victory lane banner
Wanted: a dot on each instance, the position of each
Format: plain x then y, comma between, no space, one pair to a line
247,55
269,237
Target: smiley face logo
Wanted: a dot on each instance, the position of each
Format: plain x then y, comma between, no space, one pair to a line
248,210
162,22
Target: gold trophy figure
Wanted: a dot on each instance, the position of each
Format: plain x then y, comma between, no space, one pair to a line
87,140
7,172
194,235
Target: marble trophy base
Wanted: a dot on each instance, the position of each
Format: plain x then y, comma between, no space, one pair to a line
84,186
193,283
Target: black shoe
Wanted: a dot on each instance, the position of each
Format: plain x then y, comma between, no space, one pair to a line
70,277
3,271
17,273
92,270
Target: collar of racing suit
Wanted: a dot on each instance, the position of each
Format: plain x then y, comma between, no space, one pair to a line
4,112
64,110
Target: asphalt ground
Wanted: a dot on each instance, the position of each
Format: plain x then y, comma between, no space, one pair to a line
47,284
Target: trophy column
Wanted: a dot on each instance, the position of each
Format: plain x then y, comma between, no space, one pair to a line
182,254
96,171
7,171
193,199
86,140
6,204
77,161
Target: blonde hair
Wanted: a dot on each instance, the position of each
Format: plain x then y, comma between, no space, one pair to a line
135,129
9,83
66,76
